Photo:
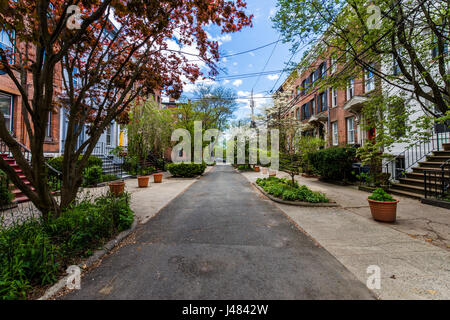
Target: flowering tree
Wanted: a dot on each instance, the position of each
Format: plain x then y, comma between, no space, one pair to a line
106,57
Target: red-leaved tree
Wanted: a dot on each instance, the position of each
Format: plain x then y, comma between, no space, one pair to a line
119,52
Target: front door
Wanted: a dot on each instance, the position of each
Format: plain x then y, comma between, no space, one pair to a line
6,107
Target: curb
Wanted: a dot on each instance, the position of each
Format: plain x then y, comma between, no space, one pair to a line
296,203
98,254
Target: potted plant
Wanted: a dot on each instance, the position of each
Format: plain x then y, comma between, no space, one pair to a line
256,168
117,187
157,177
272,173
382,206
264,170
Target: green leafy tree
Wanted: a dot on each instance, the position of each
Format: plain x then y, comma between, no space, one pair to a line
406,48
149,130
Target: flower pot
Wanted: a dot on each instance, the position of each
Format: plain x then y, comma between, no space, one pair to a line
256,168
117,187
264,170
157,177
383,211
272,173
143,181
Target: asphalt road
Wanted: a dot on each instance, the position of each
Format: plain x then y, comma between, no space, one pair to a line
220,240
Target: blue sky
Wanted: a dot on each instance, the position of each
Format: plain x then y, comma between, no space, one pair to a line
261,34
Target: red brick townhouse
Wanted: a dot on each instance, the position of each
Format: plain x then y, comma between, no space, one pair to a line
333,114
11,101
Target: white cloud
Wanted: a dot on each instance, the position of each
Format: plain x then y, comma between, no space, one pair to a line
237,82
250,65
241,93
190,87
226,81
260,100
252,54
272,12
273,77
235,63
224,59
220,39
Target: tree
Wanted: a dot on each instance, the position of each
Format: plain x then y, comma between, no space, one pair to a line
149,130
306,146
104,64
216,105
406,48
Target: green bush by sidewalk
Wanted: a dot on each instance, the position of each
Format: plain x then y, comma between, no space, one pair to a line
334,163
286,190
186,170
34,253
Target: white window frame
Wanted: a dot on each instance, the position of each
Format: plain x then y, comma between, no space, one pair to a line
334,133
333,65
351,89
369,79
108,135
11,106
48,129
350,130
334,97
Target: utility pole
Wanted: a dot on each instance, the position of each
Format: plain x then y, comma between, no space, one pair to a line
252,106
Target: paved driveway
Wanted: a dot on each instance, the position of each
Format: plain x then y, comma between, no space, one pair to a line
220,240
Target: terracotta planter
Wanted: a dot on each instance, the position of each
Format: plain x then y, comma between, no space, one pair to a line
143,181
272,173
157,177
383,211
264,170
256,168
117,187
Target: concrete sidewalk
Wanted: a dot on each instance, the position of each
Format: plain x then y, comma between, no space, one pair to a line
411,267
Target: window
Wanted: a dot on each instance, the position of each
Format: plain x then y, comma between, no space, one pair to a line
304,86
350,131
75,77
435,50
297,113
323,70
323,101
333,64
334,132
303,115
369,77
297,90
350,89
6,43
312,107
334,97
308,110
108,135
48,130
6,107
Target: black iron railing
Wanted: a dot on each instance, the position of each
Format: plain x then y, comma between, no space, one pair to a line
437,182
417,152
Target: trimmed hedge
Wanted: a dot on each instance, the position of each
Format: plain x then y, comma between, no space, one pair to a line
186,170
56,162
334,163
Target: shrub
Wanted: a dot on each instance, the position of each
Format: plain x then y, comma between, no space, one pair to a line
57,162
27,257
380,195
109,177
92,175
34,253
186,170
6,197
334,163
286,190
244,167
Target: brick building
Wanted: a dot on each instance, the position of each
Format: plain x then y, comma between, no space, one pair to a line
11,103
332,114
